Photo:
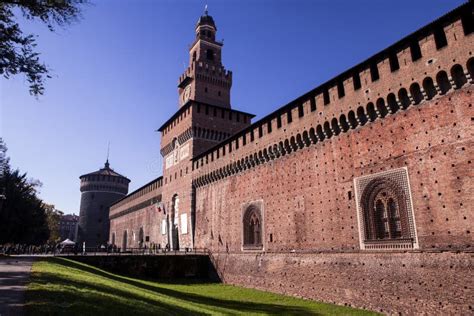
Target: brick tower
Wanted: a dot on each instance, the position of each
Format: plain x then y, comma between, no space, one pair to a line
203,120
205,80
99,190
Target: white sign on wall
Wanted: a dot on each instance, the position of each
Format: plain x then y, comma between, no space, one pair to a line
169,161
184,223
184,152
163,227
178,154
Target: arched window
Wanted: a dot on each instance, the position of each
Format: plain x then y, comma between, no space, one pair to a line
361,115
194,56
470,67
381,107
392,103
429,88
174,222
443,82
416,93
404,99
352,119
385,212
327,129
252,228
319,131
209,54
124,240
141,238
335,126
344,125
458,76
371,112
312,135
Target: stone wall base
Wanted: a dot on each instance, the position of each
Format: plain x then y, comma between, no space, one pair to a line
391,283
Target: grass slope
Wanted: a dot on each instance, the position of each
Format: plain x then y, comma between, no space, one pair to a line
60,286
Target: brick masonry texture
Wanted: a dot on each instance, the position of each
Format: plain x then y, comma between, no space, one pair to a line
408,107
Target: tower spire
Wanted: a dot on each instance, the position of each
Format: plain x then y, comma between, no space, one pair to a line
108,152
205,10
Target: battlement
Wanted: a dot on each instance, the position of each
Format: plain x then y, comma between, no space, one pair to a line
204,69
423,65
136,196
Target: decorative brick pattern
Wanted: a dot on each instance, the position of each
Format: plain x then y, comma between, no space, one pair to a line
400,178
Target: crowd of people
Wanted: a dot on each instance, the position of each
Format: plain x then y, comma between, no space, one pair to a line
78,249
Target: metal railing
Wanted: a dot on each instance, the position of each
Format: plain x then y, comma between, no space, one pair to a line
131,252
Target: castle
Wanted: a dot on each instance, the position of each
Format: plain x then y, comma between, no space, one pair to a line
358,192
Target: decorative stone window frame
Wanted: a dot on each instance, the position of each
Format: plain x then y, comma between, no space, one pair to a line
245,206
400,177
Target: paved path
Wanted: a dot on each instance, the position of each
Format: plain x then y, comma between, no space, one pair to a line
14,274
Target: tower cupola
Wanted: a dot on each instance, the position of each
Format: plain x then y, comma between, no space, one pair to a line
205,27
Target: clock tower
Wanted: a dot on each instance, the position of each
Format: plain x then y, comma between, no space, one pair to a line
205,80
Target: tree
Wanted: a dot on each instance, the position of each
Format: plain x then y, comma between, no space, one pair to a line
23,216
17,50
53,217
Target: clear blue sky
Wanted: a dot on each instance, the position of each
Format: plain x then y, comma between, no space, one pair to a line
115,75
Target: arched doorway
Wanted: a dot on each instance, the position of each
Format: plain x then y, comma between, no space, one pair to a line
174,222
124,241
141,238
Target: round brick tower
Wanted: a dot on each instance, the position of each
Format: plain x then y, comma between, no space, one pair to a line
99,190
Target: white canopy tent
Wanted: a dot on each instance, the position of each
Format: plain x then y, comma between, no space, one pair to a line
67,242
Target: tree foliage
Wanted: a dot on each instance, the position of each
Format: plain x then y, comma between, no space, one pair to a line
22,215
53,217
17,50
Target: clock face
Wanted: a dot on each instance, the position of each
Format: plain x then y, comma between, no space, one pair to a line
187,93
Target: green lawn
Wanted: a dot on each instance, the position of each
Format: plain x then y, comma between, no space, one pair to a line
60,286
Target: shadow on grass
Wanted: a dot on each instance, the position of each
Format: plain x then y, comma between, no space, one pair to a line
210,303
73,297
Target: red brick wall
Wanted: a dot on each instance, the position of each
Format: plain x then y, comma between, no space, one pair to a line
306,209
392,283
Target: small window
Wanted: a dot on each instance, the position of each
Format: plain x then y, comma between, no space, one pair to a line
269,127
313,104
289,117
209,54
467,23
278,121
326,97
394,65
374,72
340,89
415,51
440,38
300,110
356,81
